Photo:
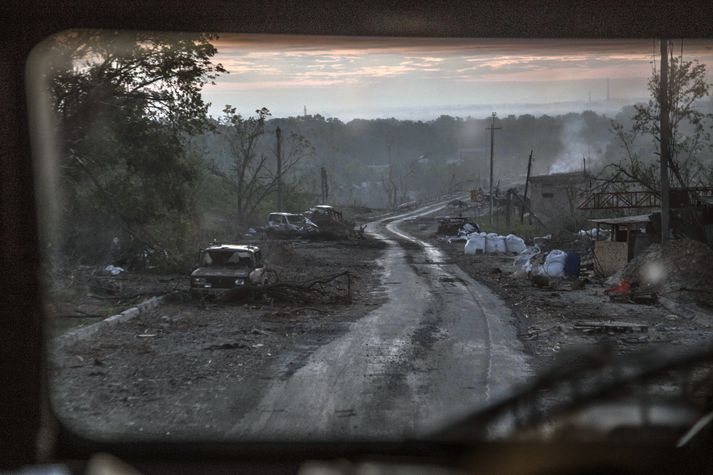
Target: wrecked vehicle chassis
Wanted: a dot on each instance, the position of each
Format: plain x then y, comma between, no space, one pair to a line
228,269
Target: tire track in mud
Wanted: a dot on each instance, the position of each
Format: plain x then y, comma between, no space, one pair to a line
435,257
422,359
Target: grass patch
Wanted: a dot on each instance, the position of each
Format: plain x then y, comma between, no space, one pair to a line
60,326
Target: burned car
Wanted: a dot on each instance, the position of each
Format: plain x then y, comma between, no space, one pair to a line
331,222
455,225
289,225
228,267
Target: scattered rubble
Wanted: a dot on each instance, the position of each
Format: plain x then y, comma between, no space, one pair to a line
610,326
199,351
681,269
113,270
333,288
574,308
454,227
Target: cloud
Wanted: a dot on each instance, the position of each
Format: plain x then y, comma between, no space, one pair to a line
264,62
439,47
279,84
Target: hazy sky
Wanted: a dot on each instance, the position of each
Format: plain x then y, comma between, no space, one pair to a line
422,78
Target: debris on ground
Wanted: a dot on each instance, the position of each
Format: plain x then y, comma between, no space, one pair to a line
627,292
201,351
610,326
554,264
680,268
556,314
113,270
407,205
623,289
454,227
542,241
335,288
594,233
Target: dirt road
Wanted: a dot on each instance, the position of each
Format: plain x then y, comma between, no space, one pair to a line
440,346
422,344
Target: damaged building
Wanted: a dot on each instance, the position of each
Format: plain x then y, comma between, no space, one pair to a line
556,196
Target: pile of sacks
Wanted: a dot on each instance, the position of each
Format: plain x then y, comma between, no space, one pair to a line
464,232
594,233
555,264
493,243
530,260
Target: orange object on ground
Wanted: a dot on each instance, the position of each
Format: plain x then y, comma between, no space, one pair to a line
624,287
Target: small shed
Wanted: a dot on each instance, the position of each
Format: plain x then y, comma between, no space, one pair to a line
628,237
557,195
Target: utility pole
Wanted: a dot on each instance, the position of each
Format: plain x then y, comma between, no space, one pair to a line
492,129
278,134
325,186
524,197
665,143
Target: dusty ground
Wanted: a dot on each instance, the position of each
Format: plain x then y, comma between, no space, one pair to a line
169,372
216,368
86,294
546,318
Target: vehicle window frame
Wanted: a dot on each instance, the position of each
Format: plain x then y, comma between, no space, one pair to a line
22,302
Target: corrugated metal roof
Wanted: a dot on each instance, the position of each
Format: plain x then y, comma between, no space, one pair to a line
566,176
640,218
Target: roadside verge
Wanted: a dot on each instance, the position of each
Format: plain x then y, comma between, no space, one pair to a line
81,333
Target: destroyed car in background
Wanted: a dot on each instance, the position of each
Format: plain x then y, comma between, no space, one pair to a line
319,222
228,267
331,223
289,225
453,226
407,205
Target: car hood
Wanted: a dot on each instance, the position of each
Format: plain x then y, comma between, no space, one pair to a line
220,271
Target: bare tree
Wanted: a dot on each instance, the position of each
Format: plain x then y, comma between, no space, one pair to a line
390,187
686,128
253,176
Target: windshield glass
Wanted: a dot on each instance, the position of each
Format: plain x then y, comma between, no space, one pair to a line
230,258
480,211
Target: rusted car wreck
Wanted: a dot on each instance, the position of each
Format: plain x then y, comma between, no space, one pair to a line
224,268
318,222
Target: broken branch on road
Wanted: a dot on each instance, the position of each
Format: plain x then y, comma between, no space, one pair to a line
315,290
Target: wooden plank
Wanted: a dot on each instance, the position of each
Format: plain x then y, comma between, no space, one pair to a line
610,325
610,256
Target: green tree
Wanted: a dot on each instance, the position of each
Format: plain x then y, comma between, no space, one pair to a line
124,102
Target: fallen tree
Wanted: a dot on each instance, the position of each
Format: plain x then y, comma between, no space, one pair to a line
317,290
